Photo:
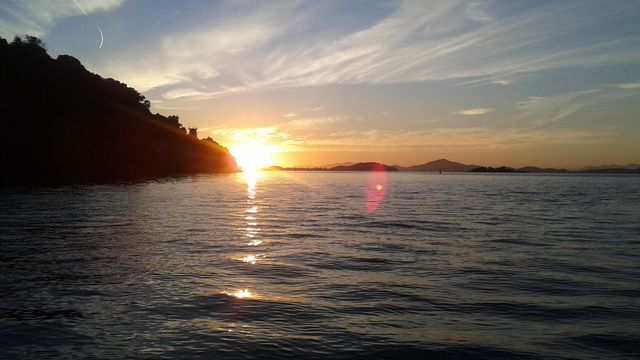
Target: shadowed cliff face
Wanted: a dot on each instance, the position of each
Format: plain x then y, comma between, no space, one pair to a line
63,124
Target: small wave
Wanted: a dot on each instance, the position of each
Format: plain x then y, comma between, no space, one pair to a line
609,345
38,314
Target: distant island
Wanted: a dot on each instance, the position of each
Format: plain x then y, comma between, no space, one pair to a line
367,166
64,124
501,169
444,165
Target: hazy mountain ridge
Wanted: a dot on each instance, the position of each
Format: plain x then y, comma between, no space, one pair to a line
445,165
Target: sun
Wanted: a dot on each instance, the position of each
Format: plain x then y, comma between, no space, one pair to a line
253,156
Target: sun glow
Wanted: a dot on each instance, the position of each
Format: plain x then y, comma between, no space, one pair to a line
253,156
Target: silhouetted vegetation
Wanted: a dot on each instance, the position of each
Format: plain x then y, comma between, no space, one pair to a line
62,123
535,169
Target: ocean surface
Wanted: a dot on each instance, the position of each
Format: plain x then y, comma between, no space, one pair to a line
324,265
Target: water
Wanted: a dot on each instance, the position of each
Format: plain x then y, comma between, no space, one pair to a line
324,265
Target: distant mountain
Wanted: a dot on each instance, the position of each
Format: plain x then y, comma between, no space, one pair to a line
63,124
367,166
535,169
440,165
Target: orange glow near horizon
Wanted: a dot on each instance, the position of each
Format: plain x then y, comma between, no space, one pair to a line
253,156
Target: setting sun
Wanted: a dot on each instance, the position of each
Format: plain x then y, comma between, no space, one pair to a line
253,156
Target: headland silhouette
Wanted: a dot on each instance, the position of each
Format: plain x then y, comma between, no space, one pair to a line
64,124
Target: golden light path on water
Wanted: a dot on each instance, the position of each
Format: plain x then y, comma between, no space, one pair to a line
377,185
251,177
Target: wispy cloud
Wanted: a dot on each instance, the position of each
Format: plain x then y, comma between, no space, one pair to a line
453,44
627,86
536,111
476,111
36,17
262,134
312,123
501,82
291,133
464,138
313,109
181,93
225,51
322,134
282,44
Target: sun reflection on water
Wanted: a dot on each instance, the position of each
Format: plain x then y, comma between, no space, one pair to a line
251,177
251,229
242,294
249,259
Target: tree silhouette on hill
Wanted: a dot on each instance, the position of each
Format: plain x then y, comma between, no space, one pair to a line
62,123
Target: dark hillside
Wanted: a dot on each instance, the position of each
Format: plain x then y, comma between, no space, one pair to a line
63,124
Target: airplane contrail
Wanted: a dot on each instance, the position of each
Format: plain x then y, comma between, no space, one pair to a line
101,37
80,7
87,15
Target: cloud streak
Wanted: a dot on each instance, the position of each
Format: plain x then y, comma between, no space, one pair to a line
536,112
627,86
476,111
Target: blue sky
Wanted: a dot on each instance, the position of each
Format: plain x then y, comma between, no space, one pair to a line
548,83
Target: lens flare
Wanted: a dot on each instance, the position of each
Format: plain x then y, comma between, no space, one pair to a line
376,188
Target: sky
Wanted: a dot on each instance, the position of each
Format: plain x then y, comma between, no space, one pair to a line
543,83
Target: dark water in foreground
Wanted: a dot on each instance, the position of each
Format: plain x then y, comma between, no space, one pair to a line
293,264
